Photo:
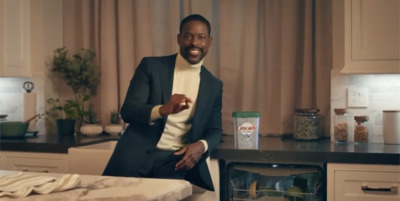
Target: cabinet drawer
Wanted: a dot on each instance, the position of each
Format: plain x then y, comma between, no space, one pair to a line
35,163
354,184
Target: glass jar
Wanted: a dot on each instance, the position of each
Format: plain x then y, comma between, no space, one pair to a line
306,124
341,125
361,129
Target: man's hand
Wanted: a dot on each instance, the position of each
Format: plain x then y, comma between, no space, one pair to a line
192,155
176,104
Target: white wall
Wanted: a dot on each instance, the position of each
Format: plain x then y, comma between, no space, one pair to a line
383,94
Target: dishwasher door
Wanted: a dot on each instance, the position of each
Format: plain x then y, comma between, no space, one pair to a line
274,182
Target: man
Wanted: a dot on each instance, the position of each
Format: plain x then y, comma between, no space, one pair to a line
173,107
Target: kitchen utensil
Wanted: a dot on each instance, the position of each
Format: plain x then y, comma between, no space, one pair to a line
15,128
32,118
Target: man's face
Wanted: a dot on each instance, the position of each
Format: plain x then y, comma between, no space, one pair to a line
194,41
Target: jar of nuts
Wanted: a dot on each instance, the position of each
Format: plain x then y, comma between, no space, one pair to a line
306,124
361,129
341,128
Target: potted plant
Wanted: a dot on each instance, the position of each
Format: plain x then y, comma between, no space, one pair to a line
91,125
114,127
65,114
82,75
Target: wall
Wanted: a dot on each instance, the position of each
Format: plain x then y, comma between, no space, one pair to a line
383,94
46,35
384,90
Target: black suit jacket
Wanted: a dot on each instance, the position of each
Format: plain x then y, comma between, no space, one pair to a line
151,85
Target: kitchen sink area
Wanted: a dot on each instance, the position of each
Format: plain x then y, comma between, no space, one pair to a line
94,157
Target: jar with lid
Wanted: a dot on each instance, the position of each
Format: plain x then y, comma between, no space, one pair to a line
361,129
341,125
306,124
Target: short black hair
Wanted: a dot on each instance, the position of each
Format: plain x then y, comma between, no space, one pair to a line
195,17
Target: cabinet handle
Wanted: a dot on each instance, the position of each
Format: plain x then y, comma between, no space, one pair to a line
392,189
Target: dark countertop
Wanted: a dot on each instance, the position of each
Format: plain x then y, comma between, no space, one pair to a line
285,150
271,149
50,143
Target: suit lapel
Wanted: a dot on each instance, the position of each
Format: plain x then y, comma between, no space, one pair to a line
167,77
201,101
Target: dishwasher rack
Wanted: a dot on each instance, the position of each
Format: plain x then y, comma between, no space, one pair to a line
275,183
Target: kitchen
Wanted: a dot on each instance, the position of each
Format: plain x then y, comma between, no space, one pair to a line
383,89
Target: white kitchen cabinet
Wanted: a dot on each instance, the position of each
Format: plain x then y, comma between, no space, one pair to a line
90,159
366,36
15,32
354,182
34,162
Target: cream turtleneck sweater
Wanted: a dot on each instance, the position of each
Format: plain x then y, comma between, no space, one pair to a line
186,81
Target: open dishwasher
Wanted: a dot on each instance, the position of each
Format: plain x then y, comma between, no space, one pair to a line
273,182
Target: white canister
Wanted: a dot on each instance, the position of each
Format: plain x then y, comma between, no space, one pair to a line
391,126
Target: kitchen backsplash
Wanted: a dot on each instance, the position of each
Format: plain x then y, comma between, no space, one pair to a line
383,94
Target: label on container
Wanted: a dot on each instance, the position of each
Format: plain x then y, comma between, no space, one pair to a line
246,133
246,129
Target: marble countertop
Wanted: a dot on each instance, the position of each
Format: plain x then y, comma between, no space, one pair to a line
114,188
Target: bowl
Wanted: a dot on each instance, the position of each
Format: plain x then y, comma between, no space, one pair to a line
3,117
91,129
13,128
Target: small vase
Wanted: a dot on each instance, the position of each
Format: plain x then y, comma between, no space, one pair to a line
91,129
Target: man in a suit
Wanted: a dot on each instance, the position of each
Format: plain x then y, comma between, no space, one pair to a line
173,107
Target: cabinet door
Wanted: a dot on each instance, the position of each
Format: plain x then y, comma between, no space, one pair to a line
35,162
363,182
371,42
15,38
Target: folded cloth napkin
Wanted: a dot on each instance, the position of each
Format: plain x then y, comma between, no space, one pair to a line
22,184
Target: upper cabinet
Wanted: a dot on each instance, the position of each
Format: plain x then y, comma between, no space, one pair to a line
366,36
15,38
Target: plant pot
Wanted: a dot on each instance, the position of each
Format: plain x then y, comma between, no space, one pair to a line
91,129
113,129
65,127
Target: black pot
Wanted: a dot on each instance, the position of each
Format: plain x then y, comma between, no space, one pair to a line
65,127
